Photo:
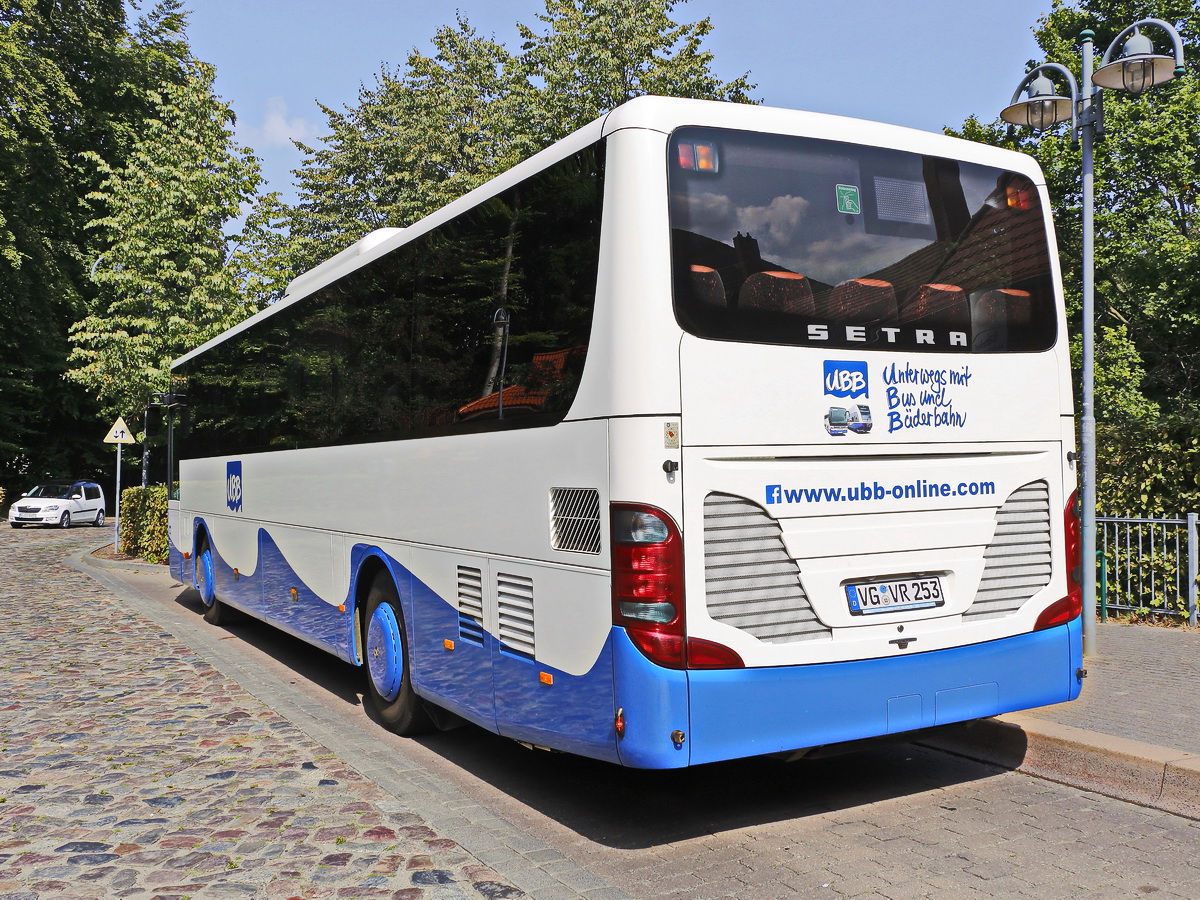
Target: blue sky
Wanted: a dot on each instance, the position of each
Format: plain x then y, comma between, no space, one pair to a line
920,63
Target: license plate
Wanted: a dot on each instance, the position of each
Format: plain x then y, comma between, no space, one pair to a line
894,594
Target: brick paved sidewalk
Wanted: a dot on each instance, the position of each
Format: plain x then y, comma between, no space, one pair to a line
130,767
1143,685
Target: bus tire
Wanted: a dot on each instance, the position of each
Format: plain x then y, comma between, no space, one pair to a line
215,612
385,646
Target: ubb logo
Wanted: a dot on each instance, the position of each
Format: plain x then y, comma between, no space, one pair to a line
233,485
845,379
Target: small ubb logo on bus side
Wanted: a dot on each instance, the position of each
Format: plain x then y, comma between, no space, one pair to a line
233,485
844,378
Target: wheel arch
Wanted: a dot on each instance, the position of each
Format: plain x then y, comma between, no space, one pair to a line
200,537
372,562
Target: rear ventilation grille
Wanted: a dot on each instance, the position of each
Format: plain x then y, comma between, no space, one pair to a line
575,519
470,605
1017,563
514,596
750,581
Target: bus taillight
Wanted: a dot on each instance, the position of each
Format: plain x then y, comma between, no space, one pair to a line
1069,607
647,587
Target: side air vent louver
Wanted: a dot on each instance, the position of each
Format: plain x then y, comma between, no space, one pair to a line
470,605
750,581
575,519
514,596
1018,560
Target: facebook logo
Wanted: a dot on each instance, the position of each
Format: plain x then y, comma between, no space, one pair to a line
233,485
774,493
846,379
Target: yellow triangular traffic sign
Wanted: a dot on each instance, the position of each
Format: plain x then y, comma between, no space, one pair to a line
119,433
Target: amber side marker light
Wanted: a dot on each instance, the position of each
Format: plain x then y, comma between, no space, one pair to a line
1019,196
697,156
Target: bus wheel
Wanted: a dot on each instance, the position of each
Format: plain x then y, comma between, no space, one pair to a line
386,645
215,612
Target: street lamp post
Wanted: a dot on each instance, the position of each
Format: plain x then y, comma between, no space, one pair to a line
1136,70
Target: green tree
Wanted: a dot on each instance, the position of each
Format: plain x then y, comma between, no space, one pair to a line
1147,168
594,55
163,284
416,139
445,123
73,78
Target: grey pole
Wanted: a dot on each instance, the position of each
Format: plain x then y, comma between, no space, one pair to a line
1192,562
1087,428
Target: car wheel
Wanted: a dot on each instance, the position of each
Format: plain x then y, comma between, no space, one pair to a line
16,524
99,523
65,521
215,612
389,681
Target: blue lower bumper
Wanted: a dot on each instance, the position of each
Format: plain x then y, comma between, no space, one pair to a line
735,713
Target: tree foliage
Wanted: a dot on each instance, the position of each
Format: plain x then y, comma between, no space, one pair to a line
593,55
430,131
1147,254
74,78
163,286
120,175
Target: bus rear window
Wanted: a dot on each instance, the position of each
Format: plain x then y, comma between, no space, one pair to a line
786,240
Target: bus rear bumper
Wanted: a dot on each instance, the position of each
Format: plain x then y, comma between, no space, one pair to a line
734,713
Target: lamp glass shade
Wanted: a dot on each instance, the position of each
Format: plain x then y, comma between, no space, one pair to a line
1038,113
1136,73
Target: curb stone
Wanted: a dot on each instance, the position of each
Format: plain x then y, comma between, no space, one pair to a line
1145,774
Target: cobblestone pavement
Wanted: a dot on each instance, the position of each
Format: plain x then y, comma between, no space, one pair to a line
1144,684
129,767
133,765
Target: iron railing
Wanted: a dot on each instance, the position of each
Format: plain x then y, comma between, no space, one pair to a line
1147,566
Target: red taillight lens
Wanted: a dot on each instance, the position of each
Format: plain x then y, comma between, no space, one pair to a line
1069,607
710,655
647,581
1060,612
647,586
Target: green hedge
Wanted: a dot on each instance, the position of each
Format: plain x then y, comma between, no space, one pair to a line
144,523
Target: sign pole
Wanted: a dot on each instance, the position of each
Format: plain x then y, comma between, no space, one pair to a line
118,434
117,508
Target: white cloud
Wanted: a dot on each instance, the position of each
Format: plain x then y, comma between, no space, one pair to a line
278,129
776,224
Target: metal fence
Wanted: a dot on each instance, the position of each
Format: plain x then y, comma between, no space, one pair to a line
1147,566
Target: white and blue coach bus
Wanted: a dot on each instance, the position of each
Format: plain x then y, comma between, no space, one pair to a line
711,430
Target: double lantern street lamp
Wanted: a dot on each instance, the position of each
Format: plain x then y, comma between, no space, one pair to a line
1137,70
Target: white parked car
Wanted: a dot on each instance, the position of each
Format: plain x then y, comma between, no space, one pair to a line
60,503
